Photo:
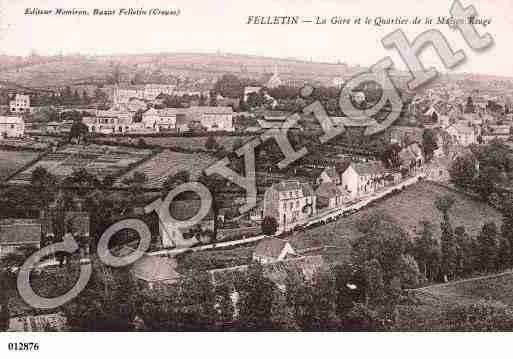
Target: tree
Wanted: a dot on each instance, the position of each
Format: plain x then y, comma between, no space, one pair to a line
463,171
469,107
256,299
269,226
390,156
78,132
465,251
489,247
429,143
427,250
211,144
45,185
229,86
448,247
175,180
216,185
486,182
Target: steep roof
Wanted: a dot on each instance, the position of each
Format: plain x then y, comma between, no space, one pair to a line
411,152
368,168
270,247
276,272
155,269
292,185
329,190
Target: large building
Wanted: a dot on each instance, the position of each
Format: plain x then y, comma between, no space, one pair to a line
20,104
11,126
109,122
289,202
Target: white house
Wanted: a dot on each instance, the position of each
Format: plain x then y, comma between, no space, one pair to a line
113,121
289,202
213,118
11,126
20,104
363,178
462,133
158,120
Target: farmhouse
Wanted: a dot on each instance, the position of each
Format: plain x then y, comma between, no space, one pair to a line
462,133
289,203
11,126
273,249
330,196
19,233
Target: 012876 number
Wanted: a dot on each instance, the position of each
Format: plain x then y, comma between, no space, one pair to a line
23,347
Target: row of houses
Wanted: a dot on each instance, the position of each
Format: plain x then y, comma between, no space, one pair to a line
179,120
291,202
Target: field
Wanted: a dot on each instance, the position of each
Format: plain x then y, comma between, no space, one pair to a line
166,163
97,160
408,208
190,143
12,161
428,304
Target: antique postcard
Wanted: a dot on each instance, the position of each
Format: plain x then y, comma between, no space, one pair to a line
254,166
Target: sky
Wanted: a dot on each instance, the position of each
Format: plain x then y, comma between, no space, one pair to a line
211,26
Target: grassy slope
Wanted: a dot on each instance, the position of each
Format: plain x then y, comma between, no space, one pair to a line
408,208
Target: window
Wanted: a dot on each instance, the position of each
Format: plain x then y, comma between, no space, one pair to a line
297,204
291,205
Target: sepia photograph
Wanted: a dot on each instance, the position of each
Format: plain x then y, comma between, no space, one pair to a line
281,166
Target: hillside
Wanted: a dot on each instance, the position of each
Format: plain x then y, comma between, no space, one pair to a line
408,208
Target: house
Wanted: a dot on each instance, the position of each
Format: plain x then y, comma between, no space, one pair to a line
277,272
289,202
412,157
56,322
152,271
363,178
462,133
11,126
53,127
274,119
329,175
183,210
330,196
404,135
212,118
272,80
496,132
19,233
249,90
272,249
161,120
438,170
20,104
112,121
77,223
